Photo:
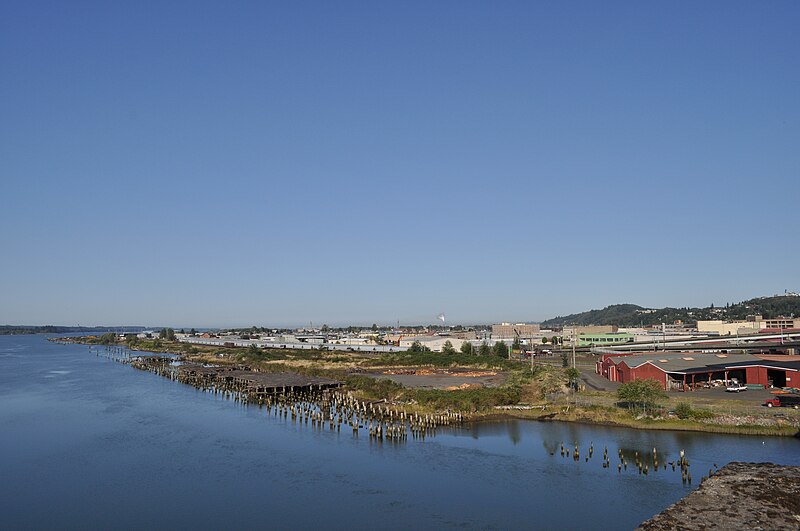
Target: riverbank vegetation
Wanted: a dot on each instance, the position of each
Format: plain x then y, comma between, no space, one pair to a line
544,391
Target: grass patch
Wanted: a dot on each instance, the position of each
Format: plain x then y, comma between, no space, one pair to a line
469,400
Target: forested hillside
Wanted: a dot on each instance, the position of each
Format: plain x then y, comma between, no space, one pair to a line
633,315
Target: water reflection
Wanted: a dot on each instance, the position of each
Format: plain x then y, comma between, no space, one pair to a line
87,440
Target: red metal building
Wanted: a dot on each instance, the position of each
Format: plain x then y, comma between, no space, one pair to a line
688,370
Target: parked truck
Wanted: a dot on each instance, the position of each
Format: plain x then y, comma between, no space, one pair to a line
784,401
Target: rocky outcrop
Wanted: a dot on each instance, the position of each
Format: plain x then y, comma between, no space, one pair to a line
738,496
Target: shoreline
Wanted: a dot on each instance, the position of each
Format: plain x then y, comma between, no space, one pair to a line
550,412
749,430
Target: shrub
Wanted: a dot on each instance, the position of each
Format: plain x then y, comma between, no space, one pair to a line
684,410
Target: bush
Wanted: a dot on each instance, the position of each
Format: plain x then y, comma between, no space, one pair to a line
684,410
374,388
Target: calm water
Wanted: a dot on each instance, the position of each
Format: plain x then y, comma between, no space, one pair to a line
89,443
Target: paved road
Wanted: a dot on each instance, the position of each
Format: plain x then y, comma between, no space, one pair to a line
594,381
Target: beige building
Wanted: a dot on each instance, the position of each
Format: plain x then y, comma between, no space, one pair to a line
510,331
781,322
726,328
752,326
570,331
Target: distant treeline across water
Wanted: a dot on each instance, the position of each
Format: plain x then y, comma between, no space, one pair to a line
7,330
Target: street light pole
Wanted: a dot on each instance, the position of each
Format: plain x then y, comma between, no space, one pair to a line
573,348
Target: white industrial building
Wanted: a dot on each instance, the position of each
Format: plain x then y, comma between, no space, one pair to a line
435,343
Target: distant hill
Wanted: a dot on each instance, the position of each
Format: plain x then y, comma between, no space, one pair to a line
6,330
628,315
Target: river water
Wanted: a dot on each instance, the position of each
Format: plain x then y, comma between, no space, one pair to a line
87,443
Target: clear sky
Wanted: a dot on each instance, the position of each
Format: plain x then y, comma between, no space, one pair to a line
274,163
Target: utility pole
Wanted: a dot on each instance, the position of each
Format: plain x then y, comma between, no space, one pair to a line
531,357
530,348
573,348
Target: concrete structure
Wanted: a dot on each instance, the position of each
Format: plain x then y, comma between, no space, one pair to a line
510,331
684,371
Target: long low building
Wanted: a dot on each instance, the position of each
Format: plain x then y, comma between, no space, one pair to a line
434,343
613,338
260,343
684,371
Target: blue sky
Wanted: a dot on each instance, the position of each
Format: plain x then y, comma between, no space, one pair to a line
275,163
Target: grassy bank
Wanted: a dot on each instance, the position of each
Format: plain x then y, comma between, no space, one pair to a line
617,417
542,394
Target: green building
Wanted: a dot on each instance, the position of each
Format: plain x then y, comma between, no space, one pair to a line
598,340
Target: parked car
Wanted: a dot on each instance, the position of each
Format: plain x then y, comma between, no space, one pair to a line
784,401
735,387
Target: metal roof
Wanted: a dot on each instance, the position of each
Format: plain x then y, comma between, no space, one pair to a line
792,365
687,362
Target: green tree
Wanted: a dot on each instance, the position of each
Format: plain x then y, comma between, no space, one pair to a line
416,346
555,340
253,350
643,393
374,327
484,349
193,332
573,376
448,348
544,341
167,333
466,348
500,349
109,338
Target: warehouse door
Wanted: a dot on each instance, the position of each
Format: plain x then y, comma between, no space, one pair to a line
776,377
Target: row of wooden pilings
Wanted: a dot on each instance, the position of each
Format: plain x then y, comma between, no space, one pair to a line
112,352
320,405
641,462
